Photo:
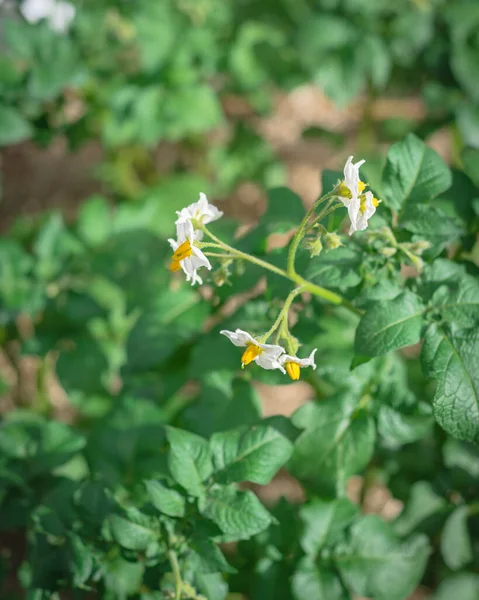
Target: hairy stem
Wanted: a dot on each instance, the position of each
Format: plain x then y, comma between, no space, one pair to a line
283,314
306,286
301,231
175,567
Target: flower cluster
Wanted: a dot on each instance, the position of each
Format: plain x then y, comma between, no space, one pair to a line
268,356
188,256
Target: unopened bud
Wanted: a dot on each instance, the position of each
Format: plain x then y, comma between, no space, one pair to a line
417,262
419,246
293,345
314,246
388,252
221,275
332,241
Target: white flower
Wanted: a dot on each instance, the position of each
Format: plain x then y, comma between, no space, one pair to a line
360,206
293,364
186,255
59,14
367,208
264,355
202,211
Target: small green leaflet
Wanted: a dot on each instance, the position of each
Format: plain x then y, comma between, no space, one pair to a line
337,442
378,565
168,502
456,547
133,531
452,357
316,582
249,454
238,514
189,459
413,173
388,326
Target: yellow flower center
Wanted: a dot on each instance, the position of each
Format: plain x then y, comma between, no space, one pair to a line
345,192
293,370
182,252
251,352
362,203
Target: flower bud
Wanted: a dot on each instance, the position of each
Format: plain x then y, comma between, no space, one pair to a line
293,344
419,246
314,245
388,252
417,262
332,240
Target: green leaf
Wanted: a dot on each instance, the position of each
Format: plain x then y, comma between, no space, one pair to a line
398,428
239,515
14,127
212,585
338,268
452,357
133,535
94,221
207,557
458,301
225,401
337,442
81,561
423,503
378,565
189,460
122,577
82,366
172,319
249,454
463,586
432,223
413,174
284,211
456,547
317,582
390,325
43,445
168,502
324,523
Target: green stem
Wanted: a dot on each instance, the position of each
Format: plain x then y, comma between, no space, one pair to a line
283,314
249,257
175,567
321,216
298,236
220,255
307,286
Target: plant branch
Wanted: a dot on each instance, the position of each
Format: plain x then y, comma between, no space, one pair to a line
307,286
298,236
175,567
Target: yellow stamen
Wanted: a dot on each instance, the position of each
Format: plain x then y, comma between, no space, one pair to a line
175,266
362,204
361,187
344,191
375,202
251,352
293,370
183,251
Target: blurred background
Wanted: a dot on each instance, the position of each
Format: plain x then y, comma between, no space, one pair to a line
157,100
116,113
